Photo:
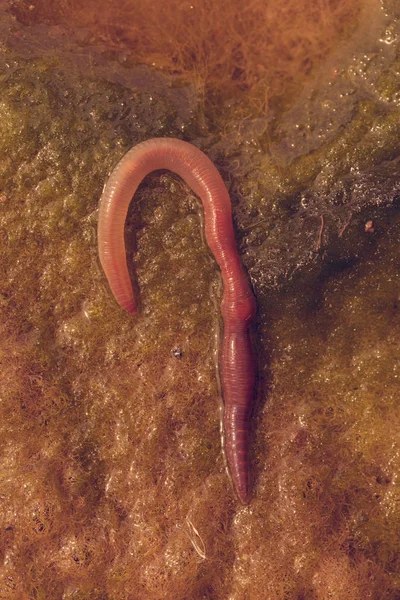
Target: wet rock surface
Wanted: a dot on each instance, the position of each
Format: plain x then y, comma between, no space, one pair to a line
113,482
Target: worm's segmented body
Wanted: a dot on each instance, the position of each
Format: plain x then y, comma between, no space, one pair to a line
238,304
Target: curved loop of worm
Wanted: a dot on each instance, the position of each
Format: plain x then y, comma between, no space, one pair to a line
238,304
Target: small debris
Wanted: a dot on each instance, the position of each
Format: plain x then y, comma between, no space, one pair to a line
321,229
177,353
369,227
345,225
196,539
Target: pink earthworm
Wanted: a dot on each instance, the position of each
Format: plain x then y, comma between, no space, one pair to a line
237,365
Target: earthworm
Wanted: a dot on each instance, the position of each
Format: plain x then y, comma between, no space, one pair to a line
236,365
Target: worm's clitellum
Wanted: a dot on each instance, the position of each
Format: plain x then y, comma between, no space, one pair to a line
237,368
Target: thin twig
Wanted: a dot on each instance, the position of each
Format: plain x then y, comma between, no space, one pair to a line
341,232
321,229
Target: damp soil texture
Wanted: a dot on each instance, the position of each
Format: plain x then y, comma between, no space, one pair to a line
113,484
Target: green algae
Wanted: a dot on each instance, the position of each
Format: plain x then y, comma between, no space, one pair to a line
110,440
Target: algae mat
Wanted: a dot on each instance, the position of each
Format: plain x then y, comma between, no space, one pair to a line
112,479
